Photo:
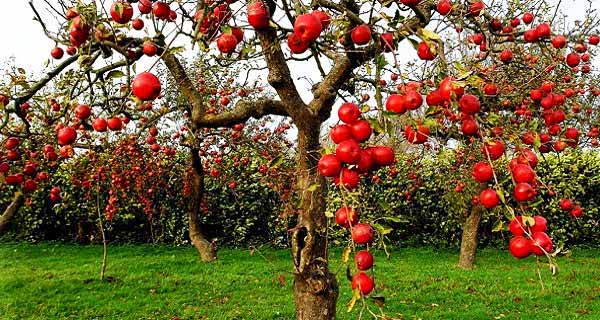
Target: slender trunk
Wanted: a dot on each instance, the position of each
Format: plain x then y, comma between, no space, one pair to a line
206,250
10,211
468,243
104,250
315,288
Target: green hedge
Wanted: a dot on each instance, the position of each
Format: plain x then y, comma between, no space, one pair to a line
250,214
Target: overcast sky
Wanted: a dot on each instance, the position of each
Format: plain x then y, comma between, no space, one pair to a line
24,39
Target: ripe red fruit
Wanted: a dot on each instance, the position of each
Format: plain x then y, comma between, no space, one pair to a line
527,18
416,136
573,59
396,103
296,44
66,136
365,164
346,217
489,198
523,173
227,43
543,30
361,131
349,178
348,151
572,134
99,125
323,18
361,34
149,48
329,165
137,24
114,123
145,6
559,42
444,7
530,36
540,242
524,192
493,149
308,27
565,204
364,260
121,12
382,155
516,226
258,15
469,104
146,86
520,247
340,132
82,111
57,53
363,282
490,89
482,172
349,113
469,127
362,233
424,52
410,3
413,100
540,225
161,10
387,42
594,40
475,8
576,212
506,55
11,143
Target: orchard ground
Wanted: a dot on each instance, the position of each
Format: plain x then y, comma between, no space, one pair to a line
50,281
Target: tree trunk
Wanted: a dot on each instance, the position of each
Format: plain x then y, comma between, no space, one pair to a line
468,243
10,211
206,250
315,288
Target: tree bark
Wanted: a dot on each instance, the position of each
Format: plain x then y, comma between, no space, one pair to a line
315,288
206,250
10,211
468,243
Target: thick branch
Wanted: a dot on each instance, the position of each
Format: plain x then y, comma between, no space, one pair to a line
185,85
243,111
11,210
280,77
43,81
326,91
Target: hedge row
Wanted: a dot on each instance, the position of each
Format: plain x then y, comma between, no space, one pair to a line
418,202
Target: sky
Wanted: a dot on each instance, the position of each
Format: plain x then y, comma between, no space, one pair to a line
23,38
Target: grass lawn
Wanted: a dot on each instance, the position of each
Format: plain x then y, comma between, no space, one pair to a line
51,281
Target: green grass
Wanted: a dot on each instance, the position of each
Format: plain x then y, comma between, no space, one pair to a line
61,282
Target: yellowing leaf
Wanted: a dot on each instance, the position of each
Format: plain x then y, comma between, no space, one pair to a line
346,254
429,35
355,298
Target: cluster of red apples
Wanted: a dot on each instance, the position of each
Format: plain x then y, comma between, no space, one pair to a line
345,167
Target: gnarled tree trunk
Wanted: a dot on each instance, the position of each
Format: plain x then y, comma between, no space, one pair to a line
468,243
10,211
315,288
206,250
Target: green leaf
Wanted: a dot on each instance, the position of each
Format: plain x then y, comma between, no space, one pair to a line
115,74
312,187
498,226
